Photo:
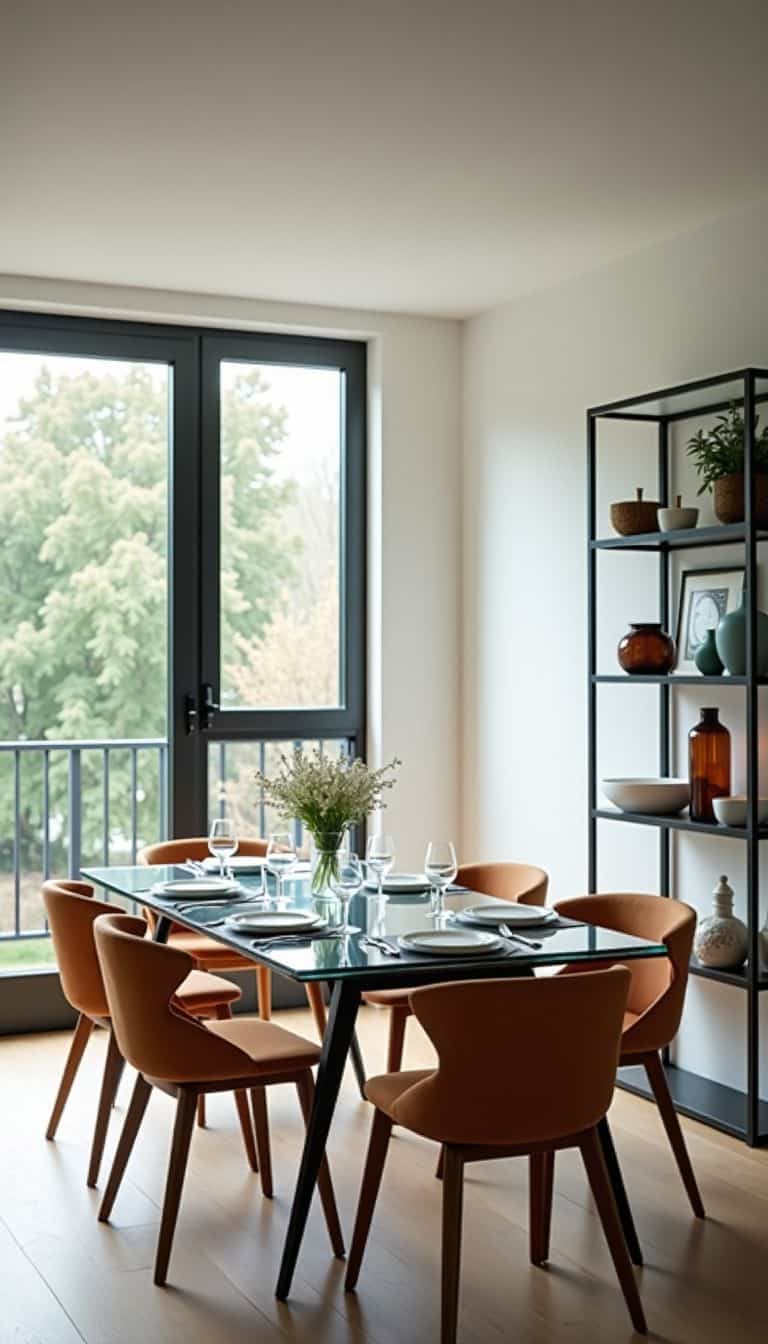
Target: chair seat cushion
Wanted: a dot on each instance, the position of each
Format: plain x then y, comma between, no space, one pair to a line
201,991
389,998
386,1090
272,1048
210,955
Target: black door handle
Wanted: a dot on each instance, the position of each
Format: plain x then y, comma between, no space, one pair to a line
190,714
210,707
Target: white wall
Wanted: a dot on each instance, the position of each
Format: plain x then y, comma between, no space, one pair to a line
695,306
415,434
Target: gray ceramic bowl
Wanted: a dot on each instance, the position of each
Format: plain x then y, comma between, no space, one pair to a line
673,520
651,796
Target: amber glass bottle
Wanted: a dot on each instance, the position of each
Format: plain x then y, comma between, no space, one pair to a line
709,757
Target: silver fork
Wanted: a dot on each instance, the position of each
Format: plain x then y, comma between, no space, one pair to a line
381,945
506,932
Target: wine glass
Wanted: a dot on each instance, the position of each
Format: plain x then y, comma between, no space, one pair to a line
441,868
222,841
345,882
380,857
281,857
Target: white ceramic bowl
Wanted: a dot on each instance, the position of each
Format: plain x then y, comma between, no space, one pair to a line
670,520
733,811
652,796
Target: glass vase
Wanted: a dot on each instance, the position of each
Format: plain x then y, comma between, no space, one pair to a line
324,865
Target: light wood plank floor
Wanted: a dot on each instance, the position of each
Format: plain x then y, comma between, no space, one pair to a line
64,1278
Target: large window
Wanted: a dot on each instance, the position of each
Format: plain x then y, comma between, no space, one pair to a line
182,580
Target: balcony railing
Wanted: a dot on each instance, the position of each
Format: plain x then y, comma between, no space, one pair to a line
98,801
69,801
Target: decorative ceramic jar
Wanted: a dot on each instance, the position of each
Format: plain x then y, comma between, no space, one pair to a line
706,657
677,519
646,650
721,939
632,516
731,640
709,764
728,498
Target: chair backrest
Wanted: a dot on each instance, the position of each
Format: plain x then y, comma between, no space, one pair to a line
506,881
658,984
154,1034
72,912
518,1060
196,847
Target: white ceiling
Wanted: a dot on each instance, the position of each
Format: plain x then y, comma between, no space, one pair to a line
421,156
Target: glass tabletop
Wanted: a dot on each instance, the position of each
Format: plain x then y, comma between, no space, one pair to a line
335,958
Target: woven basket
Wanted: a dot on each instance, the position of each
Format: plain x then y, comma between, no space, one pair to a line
631,516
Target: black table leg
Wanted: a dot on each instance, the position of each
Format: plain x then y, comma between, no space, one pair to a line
162,929
358,1064
619,1191
336,1043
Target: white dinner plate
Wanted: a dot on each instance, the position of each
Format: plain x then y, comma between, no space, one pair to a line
269,922
400,882
450,942
195,888
239,863
508,912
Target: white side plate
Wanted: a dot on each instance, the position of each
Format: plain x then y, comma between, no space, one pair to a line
508,912
450,942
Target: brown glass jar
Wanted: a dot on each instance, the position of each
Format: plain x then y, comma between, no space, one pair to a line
709,758
646,650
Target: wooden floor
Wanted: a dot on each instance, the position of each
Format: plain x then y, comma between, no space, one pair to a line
65,1278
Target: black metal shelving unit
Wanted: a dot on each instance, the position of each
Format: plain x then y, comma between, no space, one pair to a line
735,1112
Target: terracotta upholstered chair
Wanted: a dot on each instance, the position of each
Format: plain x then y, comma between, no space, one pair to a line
210,955
510,1080
507,882
72,911
656,995
174,1052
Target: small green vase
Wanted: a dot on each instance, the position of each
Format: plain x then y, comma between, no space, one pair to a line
706,657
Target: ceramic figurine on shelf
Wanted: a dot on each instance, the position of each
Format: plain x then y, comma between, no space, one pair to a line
721,939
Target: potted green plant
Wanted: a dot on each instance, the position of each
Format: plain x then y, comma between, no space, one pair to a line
718,455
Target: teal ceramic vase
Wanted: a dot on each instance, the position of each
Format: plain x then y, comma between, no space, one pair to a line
731,640
706,657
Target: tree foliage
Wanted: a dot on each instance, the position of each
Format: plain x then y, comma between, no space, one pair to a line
83,538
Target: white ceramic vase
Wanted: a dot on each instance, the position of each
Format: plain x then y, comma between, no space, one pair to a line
721,939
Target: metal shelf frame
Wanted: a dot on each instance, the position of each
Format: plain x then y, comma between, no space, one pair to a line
740,1113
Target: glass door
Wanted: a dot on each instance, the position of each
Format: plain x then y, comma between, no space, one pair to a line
283,560
95,427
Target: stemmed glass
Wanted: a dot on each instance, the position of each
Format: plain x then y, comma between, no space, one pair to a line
281,857
380,857
441,868
345,882
222,841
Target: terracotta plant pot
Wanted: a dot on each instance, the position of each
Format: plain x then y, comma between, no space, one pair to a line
631,516
728,497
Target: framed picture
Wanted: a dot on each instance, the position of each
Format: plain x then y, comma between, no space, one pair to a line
706,595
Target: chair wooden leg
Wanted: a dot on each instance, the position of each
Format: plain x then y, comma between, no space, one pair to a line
317,1004
597,1172
305,1086
374,1167
660,1088
264,992
261,1126
541,1168
82,1034
440,1168
201,1110
397,1021
133,1119
453,1199
244,1115
182,1136
113,1072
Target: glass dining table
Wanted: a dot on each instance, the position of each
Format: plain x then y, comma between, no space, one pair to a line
350,966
